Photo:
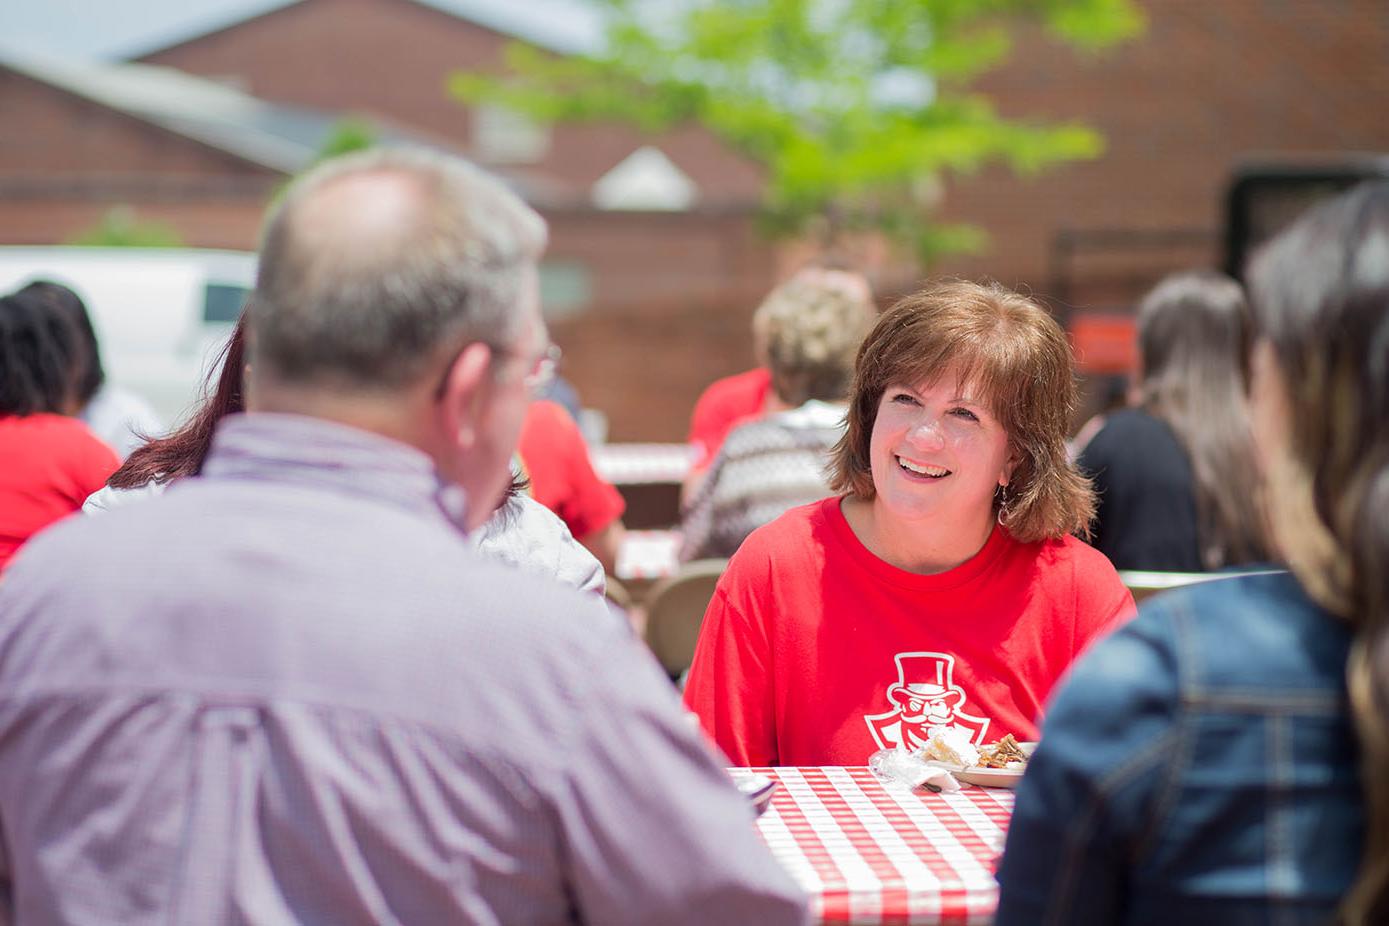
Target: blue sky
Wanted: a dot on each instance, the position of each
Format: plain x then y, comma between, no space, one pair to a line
114,28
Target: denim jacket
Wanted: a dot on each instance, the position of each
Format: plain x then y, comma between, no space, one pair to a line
1198,766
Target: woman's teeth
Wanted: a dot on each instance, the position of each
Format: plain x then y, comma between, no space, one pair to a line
921,469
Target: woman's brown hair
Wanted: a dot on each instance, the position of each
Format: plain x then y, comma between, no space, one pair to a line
1319,297
1193,333
1012,350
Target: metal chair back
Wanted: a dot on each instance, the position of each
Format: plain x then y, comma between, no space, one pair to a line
675,609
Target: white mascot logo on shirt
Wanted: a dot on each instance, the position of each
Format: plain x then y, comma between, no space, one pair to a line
926,696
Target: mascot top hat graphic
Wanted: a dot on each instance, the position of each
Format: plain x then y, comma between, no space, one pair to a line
924,696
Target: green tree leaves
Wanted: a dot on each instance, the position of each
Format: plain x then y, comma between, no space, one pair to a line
859,109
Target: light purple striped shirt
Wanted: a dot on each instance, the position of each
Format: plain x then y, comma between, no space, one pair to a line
289,692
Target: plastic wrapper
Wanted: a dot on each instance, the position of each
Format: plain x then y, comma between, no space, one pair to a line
910,769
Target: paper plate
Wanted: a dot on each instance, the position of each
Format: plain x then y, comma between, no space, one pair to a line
992,777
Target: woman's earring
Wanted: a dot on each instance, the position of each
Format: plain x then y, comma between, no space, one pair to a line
1003,501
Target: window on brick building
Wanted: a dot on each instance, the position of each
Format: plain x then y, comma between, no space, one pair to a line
566,288
504,136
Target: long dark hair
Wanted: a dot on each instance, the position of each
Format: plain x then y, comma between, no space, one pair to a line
38,353
1319,295
182,453
88,372
1193,336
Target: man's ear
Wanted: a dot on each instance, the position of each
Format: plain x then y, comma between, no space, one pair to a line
463,393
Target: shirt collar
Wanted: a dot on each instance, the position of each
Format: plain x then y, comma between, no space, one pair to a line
814,414
314,452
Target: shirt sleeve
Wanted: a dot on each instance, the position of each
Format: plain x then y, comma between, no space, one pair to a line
90,469
528,535
730,683
587,502
1103,602
1087,800
654,830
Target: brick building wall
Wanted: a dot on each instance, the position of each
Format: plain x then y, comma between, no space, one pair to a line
672,294
673,314
52,134
71,160
669,293
392,59
1208,85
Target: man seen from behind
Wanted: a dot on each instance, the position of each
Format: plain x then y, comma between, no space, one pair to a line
288,691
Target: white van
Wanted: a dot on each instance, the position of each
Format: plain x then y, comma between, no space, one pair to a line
161,314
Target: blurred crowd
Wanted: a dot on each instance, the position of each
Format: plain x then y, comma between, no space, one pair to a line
336,647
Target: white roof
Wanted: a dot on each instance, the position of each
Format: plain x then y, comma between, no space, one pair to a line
563,26
645,180
568,27
277,136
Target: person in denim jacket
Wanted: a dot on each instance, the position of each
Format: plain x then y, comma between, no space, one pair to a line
1224,758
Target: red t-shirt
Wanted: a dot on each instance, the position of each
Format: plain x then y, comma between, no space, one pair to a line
555,459
816,652
727,403
49,464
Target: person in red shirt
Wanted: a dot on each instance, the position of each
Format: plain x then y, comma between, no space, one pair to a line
555,462
51,461
724,405
943,586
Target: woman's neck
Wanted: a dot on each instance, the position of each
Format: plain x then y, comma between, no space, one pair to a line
913,546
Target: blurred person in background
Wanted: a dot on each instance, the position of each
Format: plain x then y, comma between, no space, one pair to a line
1201,766
562,392
555,465
1173,473
745,397
315,702
521,532
810,327
1110,394
941,591
49,460
116,415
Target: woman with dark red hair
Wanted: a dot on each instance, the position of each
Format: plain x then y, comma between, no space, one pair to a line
521,532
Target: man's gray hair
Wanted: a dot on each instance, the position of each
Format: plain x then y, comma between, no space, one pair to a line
374,264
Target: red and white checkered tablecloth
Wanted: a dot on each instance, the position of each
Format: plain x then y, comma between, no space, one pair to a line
884,854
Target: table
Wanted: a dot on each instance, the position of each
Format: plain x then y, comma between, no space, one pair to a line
635,464
649,477
648,555
873,853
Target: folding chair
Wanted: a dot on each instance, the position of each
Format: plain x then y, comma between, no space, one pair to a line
674,610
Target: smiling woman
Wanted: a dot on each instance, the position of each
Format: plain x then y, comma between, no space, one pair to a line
943,588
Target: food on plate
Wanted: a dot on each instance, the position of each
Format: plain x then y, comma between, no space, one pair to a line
950,745
995,765
1006,753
